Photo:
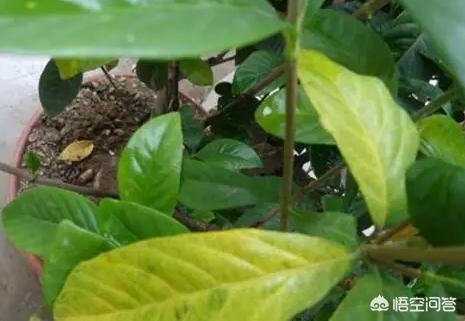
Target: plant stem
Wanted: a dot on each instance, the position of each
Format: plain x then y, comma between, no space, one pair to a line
447,255
173,86
275,74
25,174
310,187
386,236
303,191
195,104
405,270
192,224
418,274
370,7
108,76
220,59
434,105
292,38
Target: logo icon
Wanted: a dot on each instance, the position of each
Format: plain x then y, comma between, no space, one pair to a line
379,304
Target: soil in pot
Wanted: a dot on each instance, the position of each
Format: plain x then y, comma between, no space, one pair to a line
100,113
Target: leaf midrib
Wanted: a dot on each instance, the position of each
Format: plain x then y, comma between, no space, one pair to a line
232,285
370,143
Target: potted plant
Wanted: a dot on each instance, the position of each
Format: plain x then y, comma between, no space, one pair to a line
363,218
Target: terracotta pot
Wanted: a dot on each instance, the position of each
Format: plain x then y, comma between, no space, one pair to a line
13,182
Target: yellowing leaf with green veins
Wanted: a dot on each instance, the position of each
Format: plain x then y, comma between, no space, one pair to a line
231,275
376,136
77,151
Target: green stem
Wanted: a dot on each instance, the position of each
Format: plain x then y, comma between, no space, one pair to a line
447,255
291,103
418,274
434,105
387,235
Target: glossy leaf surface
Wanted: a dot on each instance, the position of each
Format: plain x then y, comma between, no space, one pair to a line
55,93
32,219
69,68
350,43
192,128
205,276
230,154
376,137
338,227
436,191
116,28
254,69
71,246
443,22
197,71
149,169
442,137
357,303
210,187
271,116
125,222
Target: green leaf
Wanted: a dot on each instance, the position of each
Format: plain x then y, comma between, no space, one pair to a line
204,216
436,289
332,203
257,214
205,276
271,116
443,138
192,128
55,93
443,22
350,43
197,71
32,161
152,73
149,169
356,305
70,67
125,222
453,280
436,191
209,187
400,33
312,8
376,137
71,246
415,62
157,29
254,69
335,226
32,218
229,153
414,94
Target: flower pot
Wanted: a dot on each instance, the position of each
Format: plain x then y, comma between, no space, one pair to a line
14,182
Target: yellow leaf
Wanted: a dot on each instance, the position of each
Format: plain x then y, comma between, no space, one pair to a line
407,233
233,275
77,151
375,135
